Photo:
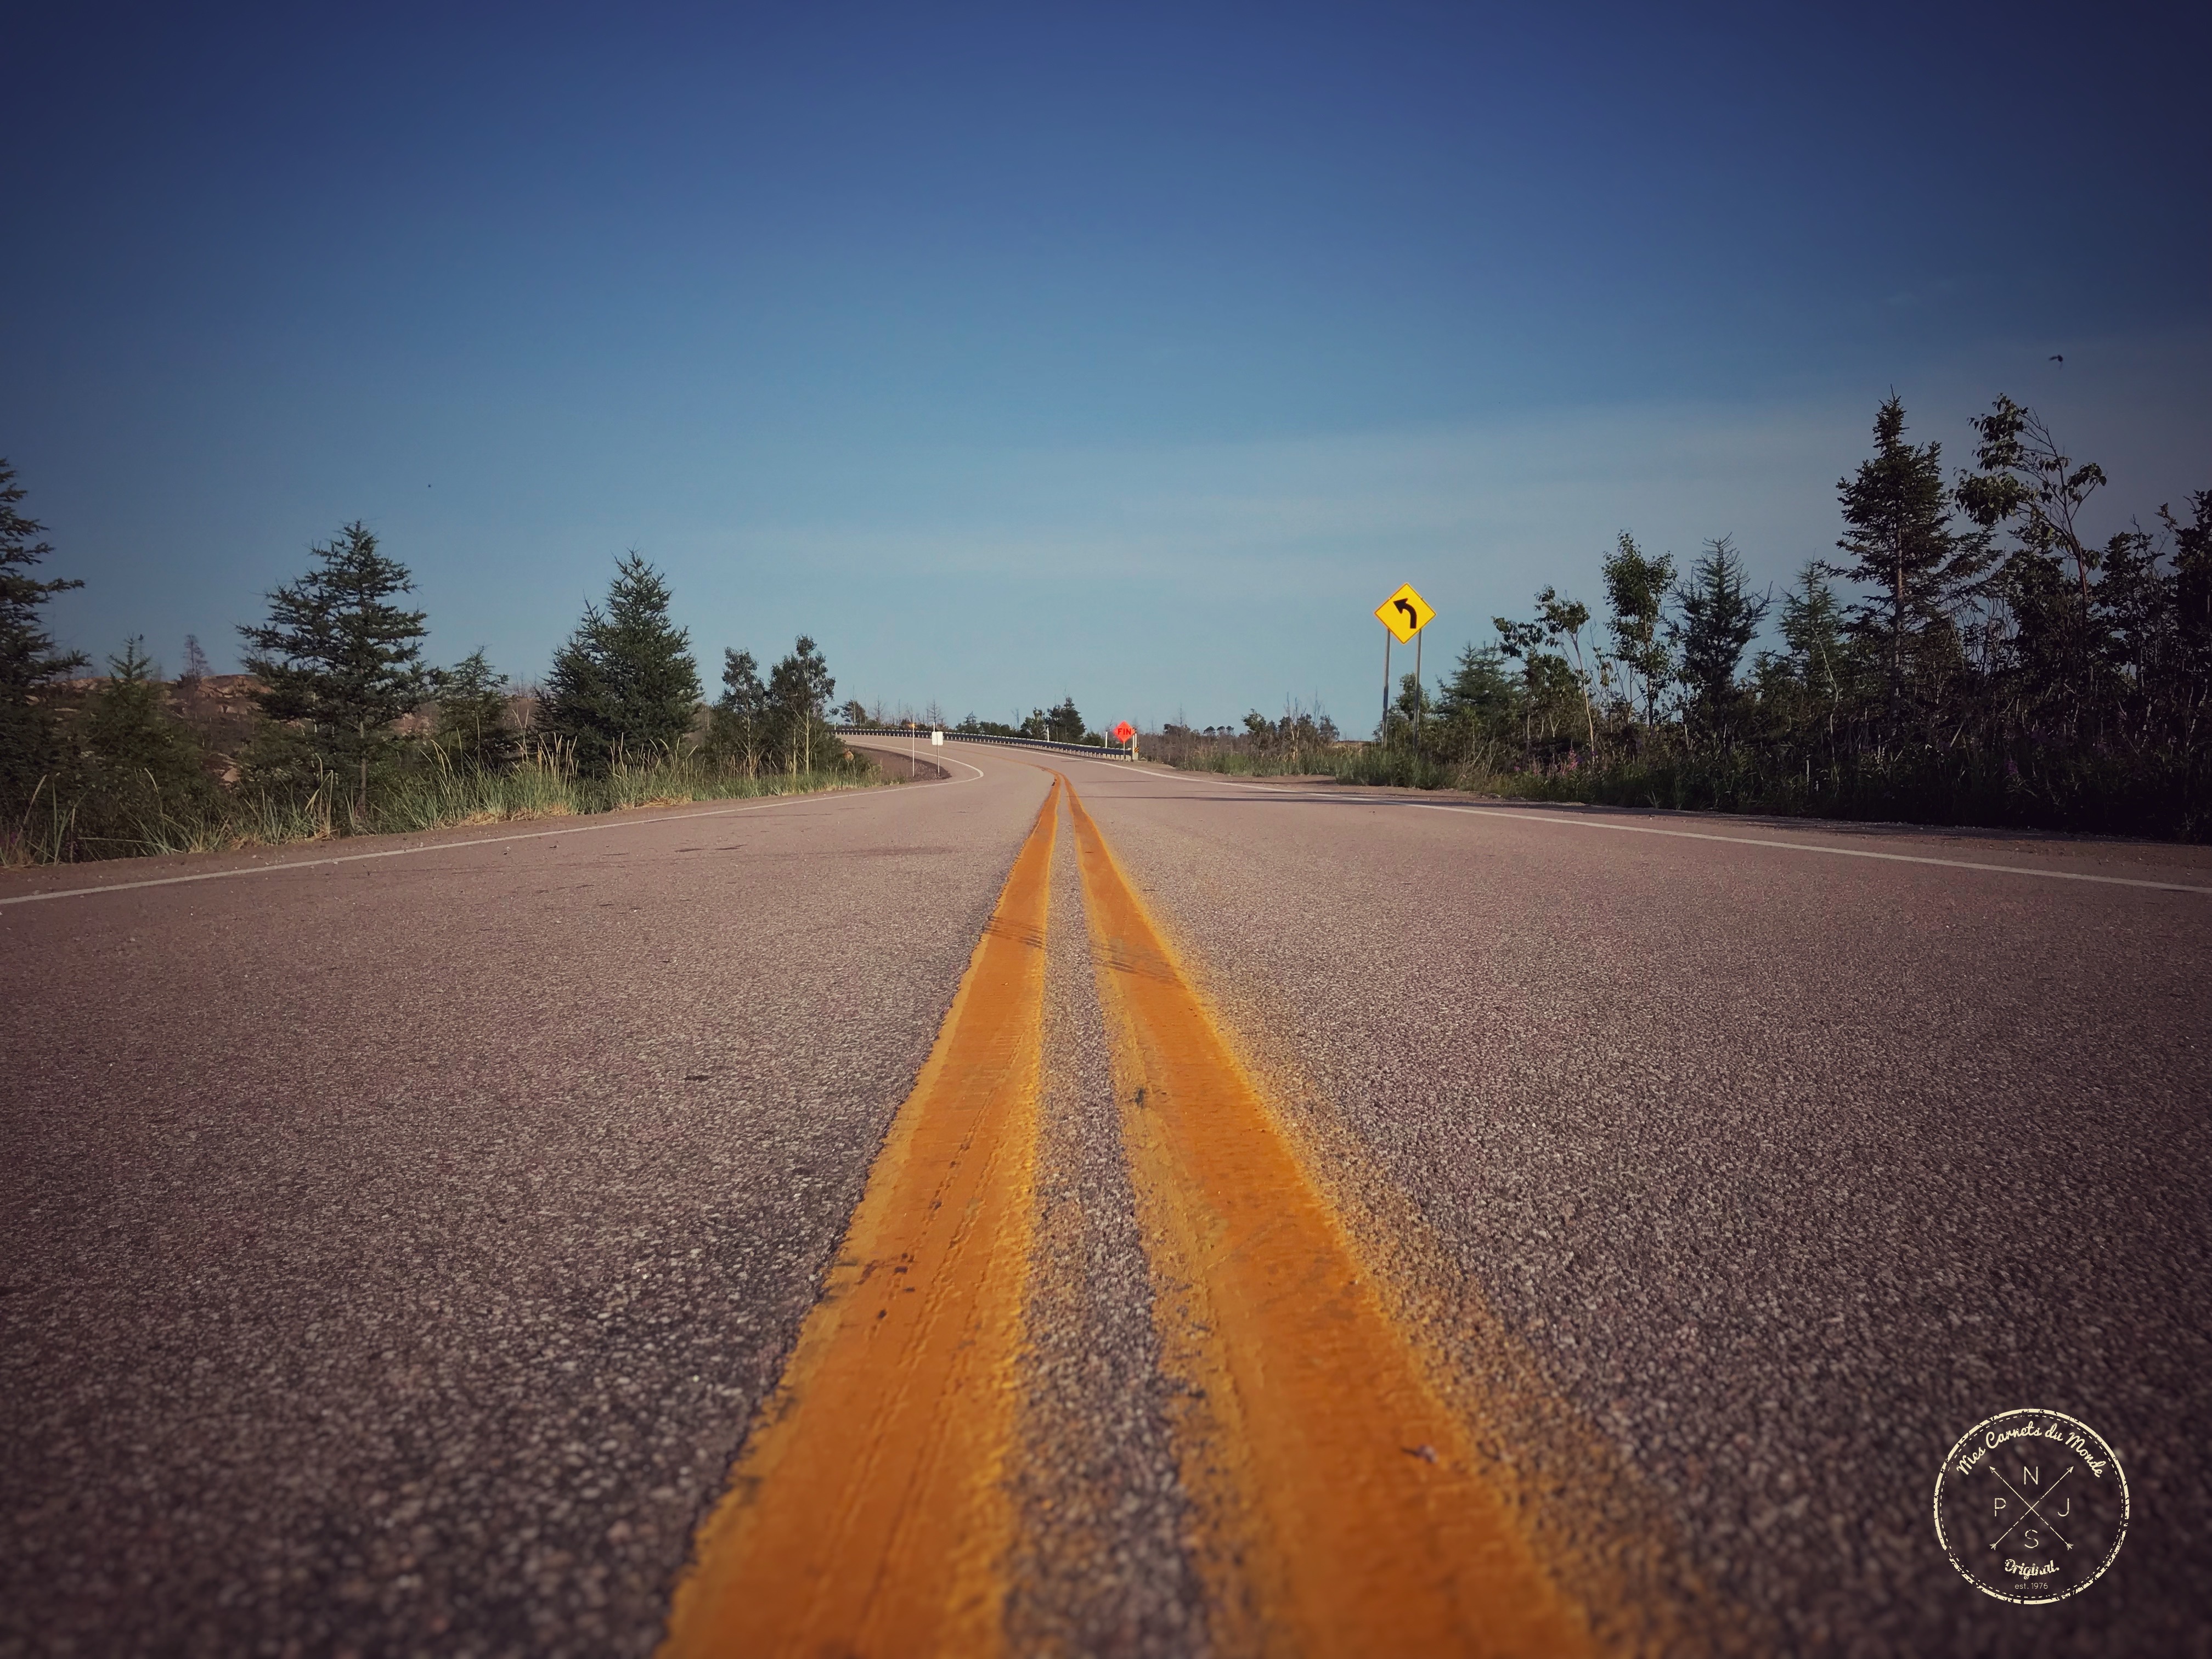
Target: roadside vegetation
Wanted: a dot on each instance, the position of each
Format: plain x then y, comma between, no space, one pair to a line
339,727
1969,656
1062,723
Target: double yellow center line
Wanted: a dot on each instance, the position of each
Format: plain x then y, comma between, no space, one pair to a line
1337,1500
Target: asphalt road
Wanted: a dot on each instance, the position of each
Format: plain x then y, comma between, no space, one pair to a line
394,1250
1783,1168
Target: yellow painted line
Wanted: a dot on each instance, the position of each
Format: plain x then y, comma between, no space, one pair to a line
867,1513
1340,1507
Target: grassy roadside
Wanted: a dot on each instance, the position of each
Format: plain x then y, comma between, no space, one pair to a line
2051,790
58,831
1345,762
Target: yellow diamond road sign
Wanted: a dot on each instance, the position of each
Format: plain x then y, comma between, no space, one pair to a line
1405,613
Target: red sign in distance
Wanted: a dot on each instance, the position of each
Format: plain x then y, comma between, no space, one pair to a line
1124,731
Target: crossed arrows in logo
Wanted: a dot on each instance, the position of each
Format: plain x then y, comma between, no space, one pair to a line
2032,1509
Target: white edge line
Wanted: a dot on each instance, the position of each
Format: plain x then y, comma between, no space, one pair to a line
1519,816
450,846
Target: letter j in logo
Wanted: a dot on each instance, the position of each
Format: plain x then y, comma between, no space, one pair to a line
2028,1511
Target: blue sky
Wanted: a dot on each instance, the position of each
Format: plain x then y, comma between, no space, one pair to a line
1133,353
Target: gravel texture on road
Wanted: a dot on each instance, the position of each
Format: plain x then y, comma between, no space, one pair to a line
1787,1168
394,1251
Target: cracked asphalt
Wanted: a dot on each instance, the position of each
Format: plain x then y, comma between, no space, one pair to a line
394,1251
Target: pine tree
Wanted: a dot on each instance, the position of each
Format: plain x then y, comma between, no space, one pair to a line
1813,627
1900,534
141,764
30,742
1821,666
476,727
624,684
1478,689
1718,617
1063,723
338,661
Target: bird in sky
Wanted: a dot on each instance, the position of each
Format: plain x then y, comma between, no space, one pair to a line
2056,358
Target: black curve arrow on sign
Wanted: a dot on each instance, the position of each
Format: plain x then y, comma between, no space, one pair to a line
1412,617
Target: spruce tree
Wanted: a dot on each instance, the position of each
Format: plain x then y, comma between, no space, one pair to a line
1821,665
30,742
1063,723
624,685
1899,535
1718,617
1813,627
338,662
1480,688
475,727
141,764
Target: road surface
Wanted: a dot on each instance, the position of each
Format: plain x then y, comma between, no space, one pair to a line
399,1253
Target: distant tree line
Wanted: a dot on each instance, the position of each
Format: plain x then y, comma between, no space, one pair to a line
1062,723
350,729
1969,656
1302,738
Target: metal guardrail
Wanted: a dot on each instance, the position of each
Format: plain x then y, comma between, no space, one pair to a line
1111,751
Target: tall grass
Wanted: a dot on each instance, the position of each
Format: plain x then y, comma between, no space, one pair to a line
429,793
1345,762
2054,787
2075,788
